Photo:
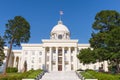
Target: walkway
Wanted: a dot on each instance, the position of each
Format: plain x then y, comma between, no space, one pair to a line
69,75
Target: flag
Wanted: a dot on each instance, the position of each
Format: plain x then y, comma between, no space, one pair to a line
61,12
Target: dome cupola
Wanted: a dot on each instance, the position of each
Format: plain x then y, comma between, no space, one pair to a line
60,31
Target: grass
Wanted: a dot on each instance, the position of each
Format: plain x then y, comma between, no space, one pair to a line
18,76
89,74
9,75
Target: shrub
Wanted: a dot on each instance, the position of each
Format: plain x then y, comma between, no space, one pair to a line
34,73
100,75
11,70
112,69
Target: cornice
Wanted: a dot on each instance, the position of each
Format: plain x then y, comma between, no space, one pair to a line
31,45
59,41
83,45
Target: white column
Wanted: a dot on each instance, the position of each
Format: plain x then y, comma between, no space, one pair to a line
56,58
50,59
22,61
19,64
75,59
14,62
69,52
63,61
44,59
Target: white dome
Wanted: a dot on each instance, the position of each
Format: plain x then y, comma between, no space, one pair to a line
60,31
60,28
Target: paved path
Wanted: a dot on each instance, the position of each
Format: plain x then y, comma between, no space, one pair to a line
69,75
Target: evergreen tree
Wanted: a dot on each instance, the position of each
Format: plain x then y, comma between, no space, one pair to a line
2,55
17,32
105,40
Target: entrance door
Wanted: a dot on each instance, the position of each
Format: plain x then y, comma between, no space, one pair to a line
59,67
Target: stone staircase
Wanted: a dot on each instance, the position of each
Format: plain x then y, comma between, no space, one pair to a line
59,75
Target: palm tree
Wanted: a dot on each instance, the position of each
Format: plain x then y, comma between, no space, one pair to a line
17,32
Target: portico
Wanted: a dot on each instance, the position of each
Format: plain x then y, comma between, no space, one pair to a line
60,57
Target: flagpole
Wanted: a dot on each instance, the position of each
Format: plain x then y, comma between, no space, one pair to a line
61,13
60,17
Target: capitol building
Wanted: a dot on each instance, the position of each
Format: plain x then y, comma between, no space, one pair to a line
55,54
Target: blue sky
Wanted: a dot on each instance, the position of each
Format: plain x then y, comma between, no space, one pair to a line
44,14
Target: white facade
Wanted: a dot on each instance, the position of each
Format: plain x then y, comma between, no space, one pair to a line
55,54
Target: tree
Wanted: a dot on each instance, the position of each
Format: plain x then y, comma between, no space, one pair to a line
86,56
17,32
105,40
113,42
106,37
2,55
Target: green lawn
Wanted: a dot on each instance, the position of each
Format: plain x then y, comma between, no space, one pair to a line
19,76
100,76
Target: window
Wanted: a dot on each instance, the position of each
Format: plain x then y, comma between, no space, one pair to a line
71,66
33,53
59,60
59,36
53,62
65,51
72,50
32,61
47,58
60,54
32,66
26,52
72,58
66,62
54,51
47,66
39,59
47,50
60,51
65,58
54,58
40,53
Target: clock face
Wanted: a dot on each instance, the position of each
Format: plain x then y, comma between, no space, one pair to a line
59,36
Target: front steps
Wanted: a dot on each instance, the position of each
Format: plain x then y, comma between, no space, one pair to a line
59,75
